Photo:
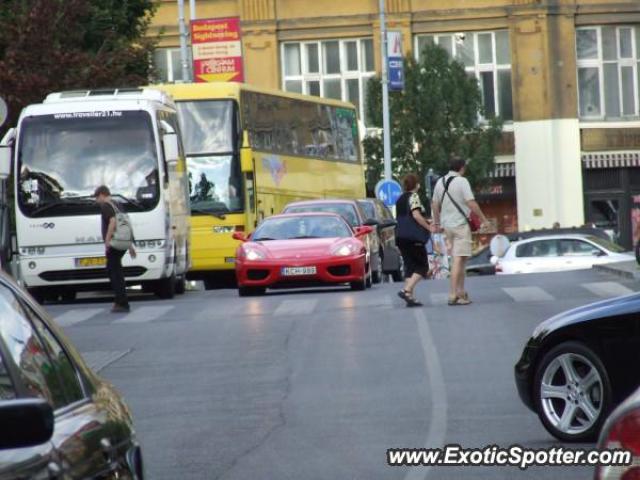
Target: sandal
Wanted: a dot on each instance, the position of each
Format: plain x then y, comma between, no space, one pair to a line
460,301
412,302
404,295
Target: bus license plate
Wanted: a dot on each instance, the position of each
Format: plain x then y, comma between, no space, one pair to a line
296,271
91,262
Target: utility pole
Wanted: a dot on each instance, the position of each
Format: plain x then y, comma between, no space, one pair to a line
192,9
184,54
386,132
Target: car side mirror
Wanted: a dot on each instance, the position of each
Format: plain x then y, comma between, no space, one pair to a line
363,230
371,222
25,423
240,236
599,253
171,152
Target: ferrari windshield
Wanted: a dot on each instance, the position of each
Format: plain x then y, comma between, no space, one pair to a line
308,226
346,210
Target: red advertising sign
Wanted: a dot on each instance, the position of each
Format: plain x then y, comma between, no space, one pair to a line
217,50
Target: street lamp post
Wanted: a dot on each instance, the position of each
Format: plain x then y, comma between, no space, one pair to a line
386,132
184,54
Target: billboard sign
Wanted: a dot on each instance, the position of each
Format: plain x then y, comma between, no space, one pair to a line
395,63
217,50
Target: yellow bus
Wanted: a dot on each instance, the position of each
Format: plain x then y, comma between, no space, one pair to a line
251,151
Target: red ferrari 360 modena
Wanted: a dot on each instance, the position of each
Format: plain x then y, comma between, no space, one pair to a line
293,250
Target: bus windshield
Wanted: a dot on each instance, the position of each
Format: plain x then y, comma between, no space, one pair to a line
215,179
64,157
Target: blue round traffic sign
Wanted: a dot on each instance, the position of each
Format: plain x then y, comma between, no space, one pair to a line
388,192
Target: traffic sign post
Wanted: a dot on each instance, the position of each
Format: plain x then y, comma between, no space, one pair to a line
388,192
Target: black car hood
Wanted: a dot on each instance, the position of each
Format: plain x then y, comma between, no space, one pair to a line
605,308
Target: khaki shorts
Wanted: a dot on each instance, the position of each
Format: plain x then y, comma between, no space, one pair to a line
459,241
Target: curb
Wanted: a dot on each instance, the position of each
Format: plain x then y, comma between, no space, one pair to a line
613,269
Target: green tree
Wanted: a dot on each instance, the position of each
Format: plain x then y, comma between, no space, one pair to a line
434,117
50,45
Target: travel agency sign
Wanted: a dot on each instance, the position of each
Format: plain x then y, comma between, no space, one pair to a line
217,50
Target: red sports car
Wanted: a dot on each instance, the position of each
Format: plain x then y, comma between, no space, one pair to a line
293,250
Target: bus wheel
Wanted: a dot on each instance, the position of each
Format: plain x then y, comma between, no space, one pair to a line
166,287
181,284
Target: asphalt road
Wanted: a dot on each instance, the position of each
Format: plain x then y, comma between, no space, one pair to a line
319,384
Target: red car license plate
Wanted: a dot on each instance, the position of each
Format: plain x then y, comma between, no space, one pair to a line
298,271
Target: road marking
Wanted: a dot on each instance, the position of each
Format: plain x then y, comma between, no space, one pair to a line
77,315
99,360
528,294
296,307
607,289
145,314
438,426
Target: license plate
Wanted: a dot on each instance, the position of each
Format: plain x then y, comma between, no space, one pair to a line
296,271
91,262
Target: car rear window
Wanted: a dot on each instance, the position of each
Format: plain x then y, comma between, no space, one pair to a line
368,208
346,210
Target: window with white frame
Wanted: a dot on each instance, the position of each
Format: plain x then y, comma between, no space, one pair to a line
608,59
336,69
168,64
485,56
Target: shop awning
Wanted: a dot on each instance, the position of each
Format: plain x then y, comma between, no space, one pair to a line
611,159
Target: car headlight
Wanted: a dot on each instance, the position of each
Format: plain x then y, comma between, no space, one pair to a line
344,250
252,254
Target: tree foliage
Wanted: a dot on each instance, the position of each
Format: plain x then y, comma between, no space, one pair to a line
50,45
434,117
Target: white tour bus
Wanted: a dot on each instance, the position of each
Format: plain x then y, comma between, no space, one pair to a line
60,152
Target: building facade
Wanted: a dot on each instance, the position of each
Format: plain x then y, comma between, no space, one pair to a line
563,74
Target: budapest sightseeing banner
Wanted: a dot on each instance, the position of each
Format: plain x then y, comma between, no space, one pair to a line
217,50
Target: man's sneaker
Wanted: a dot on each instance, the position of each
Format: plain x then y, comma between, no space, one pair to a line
120,309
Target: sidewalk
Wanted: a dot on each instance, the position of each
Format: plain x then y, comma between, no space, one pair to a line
628,269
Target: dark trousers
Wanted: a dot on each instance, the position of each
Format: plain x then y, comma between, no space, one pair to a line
116,275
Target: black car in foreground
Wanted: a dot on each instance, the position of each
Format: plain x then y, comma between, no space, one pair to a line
58,419
580,364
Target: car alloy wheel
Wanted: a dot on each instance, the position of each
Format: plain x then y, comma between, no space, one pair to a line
573,392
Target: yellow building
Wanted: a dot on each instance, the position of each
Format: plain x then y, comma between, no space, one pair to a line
563,74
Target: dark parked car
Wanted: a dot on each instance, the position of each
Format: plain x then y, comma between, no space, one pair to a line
58,419
355,216
391,259
480,262
622,430
579,364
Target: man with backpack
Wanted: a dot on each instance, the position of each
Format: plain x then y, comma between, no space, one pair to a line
118,238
